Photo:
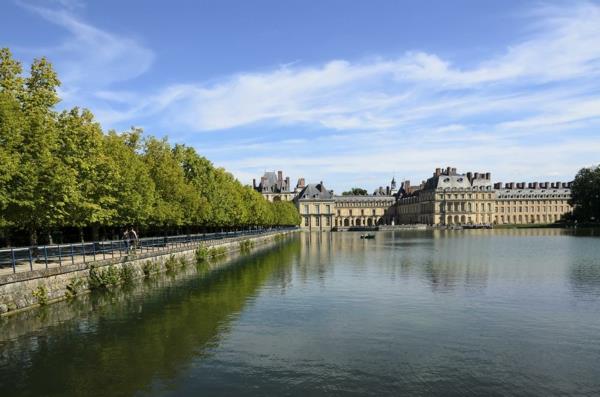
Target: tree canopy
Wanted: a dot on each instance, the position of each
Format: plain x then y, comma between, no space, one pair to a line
355,191
585,195
59,169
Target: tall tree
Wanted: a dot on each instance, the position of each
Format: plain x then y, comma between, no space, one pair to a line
585,195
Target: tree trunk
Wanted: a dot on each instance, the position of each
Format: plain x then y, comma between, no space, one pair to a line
50,242
33,238
81,235
95,233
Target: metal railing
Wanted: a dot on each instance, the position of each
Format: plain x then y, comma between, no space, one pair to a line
24,259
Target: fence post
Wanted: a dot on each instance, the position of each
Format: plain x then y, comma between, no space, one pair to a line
103,248
83,251
94,250
30,259
46,256
14,262
59,257
72,255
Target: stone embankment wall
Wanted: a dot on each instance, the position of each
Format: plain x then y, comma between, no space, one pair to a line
27,290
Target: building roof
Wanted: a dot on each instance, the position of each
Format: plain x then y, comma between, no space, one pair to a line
315,191
363,198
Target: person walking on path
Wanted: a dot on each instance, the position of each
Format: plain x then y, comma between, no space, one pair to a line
126,238
133,238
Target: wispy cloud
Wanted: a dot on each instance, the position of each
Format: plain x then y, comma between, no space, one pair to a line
375,115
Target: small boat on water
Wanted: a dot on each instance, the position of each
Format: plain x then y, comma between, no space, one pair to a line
367,236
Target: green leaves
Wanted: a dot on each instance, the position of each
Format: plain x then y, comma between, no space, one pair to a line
60,170
585,195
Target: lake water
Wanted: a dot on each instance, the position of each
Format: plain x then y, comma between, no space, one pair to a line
480,312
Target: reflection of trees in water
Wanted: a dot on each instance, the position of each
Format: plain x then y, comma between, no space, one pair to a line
126,344
584,279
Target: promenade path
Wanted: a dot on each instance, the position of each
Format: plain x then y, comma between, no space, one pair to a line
27,259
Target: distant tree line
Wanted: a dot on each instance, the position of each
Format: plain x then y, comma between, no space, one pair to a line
60,173
585,195
355,191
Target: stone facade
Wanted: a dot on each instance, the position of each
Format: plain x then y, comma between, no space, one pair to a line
449,198
364,211
274,187
316,206
518,203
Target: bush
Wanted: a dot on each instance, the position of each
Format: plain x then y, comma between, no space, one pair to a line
127,273
246,246
149,267
104,278
41,295
74,287
202,254
171,263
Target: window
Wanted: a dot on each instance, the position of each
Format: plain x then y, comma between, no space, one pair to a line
306,209
317,220
327,221
373,212
328,209
306,220
317,207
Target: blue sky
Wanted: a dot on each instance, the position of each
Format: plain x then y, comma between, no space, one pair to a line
348,92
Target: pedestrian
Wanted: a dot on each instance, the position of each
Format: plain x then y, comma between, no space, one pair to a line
126,238
133,238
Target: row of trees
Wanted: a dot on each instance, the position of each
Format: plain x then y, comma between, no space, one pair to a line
58,170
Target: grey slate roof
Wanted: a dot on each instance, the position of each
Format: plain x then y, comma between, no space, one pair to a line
315,191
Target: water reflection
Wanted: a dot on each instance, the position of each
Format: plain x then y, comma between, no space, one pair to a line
132,336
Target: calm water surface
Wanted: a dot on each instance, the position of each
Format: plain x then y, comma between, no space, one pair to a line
504,312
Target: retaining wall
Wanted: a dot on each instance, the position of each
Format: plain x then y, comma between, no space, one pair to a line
22,291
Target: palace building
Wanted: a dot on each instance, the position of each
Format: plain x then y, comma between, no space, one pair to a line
450,198
274,187
447,198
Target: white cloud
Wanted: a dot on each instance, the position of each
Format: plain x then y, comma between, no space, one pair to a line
510,111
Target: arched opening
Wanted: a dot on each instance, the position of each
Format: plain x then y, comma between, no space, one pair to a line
457,220
276,198
358,222
346,222
463,220
370,222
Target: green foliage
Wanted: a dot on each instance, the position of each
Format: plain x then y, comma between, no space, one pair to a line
150,268
246,246
59,170
355,191
585,195
127,274
41,295
171,263
103,278
74,287
201,254
216,252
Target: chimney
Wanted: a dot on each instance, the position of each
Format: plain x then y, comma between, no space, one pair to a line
453,171
254,183
448,169
498,185
470,176
263,183
280,176
565,185
488,175
287,183
438,172
476,175
300,182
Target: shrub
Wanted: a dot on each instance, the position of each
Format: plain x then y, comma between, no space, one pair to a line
41,295
246,246
127,274
149,267
104,278
202,254
73,288
171,263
